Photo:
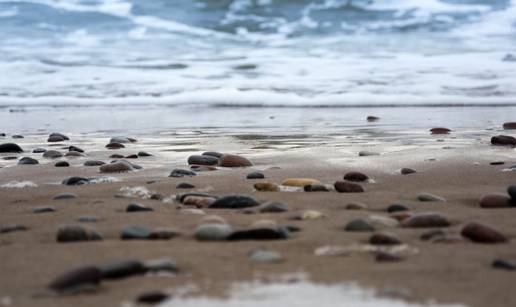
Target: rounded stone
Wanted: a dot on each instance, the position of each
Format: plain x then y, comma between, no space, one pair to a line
115,146
121,269
75,181
348,187
371,118
427,197
202,160
64,195
185,185
234,161
366,153
198,201
59,135
356,177
359,225
384,239
509,125
255,175
94,163
27,161
52,154
266,187
44,209
39,150
135,232
213,232
273,207
134,207
234,202
356,206
144,154
495,201
299,182
261,255
73,279
10,147
481,233
213,154
426,220
396,208
122,140
152,298
512,192
440,130
503,264
316,188
55,138
73,233
178,173
62,164
503,140
74,148
116,167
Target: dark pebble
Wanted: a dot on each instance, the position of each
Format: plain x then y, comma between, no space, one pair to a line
213,154
234,202
74,148
62,164
134,156
355,176
512,192
178,173
503,264
348,187
17,136
116,156
497,163
73,233
115,146
503,140
440,130
426,220
65,195
396,208
27,161
184,185
372,118
144,154
60,135
137,208
260,234
407,171
481,233
52,154
94,163
203,160
255,175
12,228
135,232
490,201
75,181
76,278
44,209
509,125
122,269
315,188
152,298
39,150
10,147
384,239
359,225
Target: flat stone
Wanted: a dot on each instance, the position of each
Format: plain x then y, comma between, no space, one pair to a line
366,153
426,220
407,171
6,228
383,238
273,207
185,185
74,233
396,208
161,265
379,221
427,197
115,146
356,177
260,234
503,140
65,195
52,154
203,160
356,206
62,164
234,161
152,298
134,207
122,140
503,264
75,148
497,163
76,278
261,255
372,118
299,182
496,201
87,219
359,225
94,163
266,187
234,202
76,181
135,232
387,257
440,130
348,187
481,233
44,209
116,167
308,215
27,161
10,148
316,188
39,150
255,175
178,173
213,232
122,269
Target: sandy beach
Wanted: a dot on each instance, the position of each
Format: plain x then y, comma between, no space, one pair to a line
449,268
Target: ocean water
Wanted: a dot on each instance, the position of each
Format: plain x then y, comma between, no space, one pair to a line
257,52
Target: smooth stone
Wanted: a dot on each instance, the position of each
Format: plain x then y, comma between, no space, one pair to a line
509,125
178,173
152,298
234,202
181,197
134,156
163,234
76,278
185,185
372,118
396,208
213,154
503,264
116,167
266,187
407,171
379,221
122,140
12,228
359,225
39,150
316,188
115,146
299,182
116,156
73,154
384,238
135,232
348,187
401,216
44,209
122,269
18,136
440,130
161,265
496,201
213,232
55,138
511,190
427,197
199,201
74,148
261,255
503,140
52,154
356,206
481,233
202,160
87,219
213,219
64,195
144,154
255,175
308,215
234,161
426,220
432,235
62,164
365,153
279,233
73,233
387,257
273,207
94,163
75,181
134,207
60,135
27,161
10,147
356,177
497,163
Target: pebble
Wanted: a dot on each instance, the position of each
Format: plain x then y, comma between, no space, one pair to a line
348,187
115,146
379,221
202,168
511,190
156,196
509,125
407,171
75,181
299,182
316,188
74,279
213,154
134,207
503,264
17,136
122,269
432,235
161,265
62,164
181,197
213,232
185,185
496,201
266,233
60,135
39,150
266,187
178,173
135,232
94,163
359,225
163,234
52,154
365,153
401,216
144,154
356,177
481,233
27,161
426,220
497,163
503,140
199,201
356,206
64,195
234,161
203,160
74,148
122,140
308,215
255,175
87,219
12,228
10,147
44,209
273,207
74,233
152,298
440,130
372,118
396,208
116,167
384,238
387,257
116,156
234,202
427,197
55,138
73,154
262,255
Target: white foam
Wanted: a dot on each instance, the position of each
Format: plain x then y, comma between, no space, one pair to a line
19,185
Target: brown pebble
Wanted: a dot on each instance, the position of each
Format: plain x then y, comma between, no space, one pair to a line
234,161
407,171
509,125
348,187
387,257
383,238
495,201
355,176
266,187
481,233
440,130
